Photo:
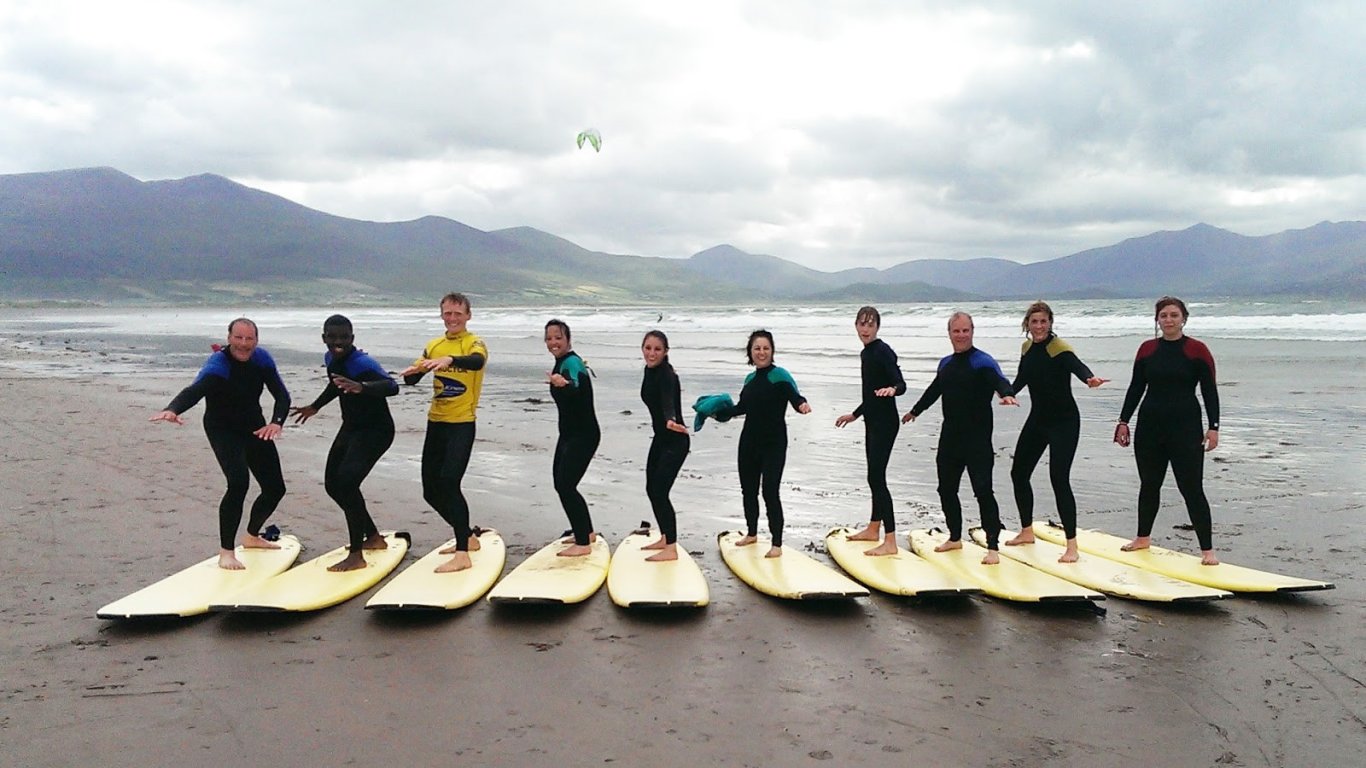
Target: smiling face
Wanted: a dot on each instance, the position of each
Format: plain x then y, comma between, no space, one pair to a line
454,315
1040,325
653,350
1171,320
761,352
241,340
340,339
960,333
555,342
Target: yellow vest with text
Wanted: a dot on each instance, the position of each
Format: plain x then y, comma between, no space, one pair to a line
455,392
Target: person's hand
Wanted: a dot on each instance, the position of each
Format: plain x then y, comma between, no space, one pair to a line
885,392
845,419
556,380
908,418
1211,439
674,426
412,370
349,386
804,408
303,413
1009,400
1122,435
427,366
1096,381
170,416
268,432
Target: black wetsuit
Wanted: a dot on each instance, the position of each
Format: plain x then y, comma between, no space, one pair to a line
660,391
579,438
1169,428
1053,423
966,381
366,432
231,391
879,370
763,444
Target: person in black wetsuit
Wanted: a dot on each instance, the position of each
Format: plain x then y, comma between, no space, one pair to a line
230,383
1047,364
661,392
882,383
571,387
1167,370
966,380
367,431
767,392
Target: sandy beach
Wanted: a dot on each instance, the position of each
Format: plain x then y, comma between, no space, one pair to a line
100,503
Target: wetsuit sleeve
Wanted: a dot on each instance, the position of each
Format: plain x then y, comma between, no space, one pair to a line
893,371
276,385
742,407
190,395
473,362
1209,390
373,379
785,384
329,393
926,400
413,378
668,396
1075,365
1022,372
1137,384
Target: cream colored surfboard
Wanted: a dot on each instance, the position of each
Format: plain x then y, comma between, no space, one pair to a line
904,573
420,588
1007,580
794,576
190,592
310,586
1180,565
1108,576
545,577
632,582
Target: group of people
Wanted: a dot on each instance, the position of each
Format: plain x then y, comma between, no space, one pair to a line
1167,371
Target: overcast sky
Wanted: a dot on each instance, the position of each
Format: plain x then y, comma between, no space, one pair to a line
833,134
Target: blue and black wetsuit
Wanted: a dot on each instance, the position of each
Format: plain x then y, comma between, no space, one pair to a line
231,390
1166,374
579,438
879,369
661,391
966,381
366,432
763,443
1054,423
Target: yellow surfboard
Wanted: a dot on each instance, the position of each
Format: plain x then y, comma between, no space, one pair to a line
794,576
634,583
1007,580
1180,565
420,588
1098,573
545,577
904,573
310,586
190,592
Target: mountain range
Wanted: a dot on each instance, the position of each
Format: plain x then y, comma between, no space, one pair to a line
100,235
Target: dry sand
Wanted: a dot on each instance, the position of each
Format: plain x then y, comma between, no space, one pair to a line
101,503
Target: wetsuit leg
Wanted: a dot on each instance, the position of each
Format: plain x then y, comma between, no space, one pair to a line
433,456
879,438
979,475
661,470
1188,467
774,459
230,449
1062,449
445,456
950,468
263,459
1029,449
354,453
751,465
1150,454
572,456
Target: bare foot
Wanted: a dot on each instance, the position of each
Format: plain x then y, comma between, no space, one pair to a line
1207,557
991,558
575,550
666,553
949,545
354,561
1139,542
887,547
458,562
774,552
745,541
592,538
1069,555
375,542
472,545
227,560
872,532
657,544
256,542
1025,536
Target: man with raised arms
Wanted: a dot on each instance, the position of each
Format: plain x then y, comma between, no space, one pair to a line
456,361
230,383
367,431
966,380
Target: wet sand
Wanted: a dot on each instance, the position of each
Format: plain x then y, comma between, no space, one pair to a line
100,503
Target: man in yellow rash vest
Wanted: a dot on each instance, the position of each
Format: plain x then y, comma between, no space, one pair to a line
456,361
